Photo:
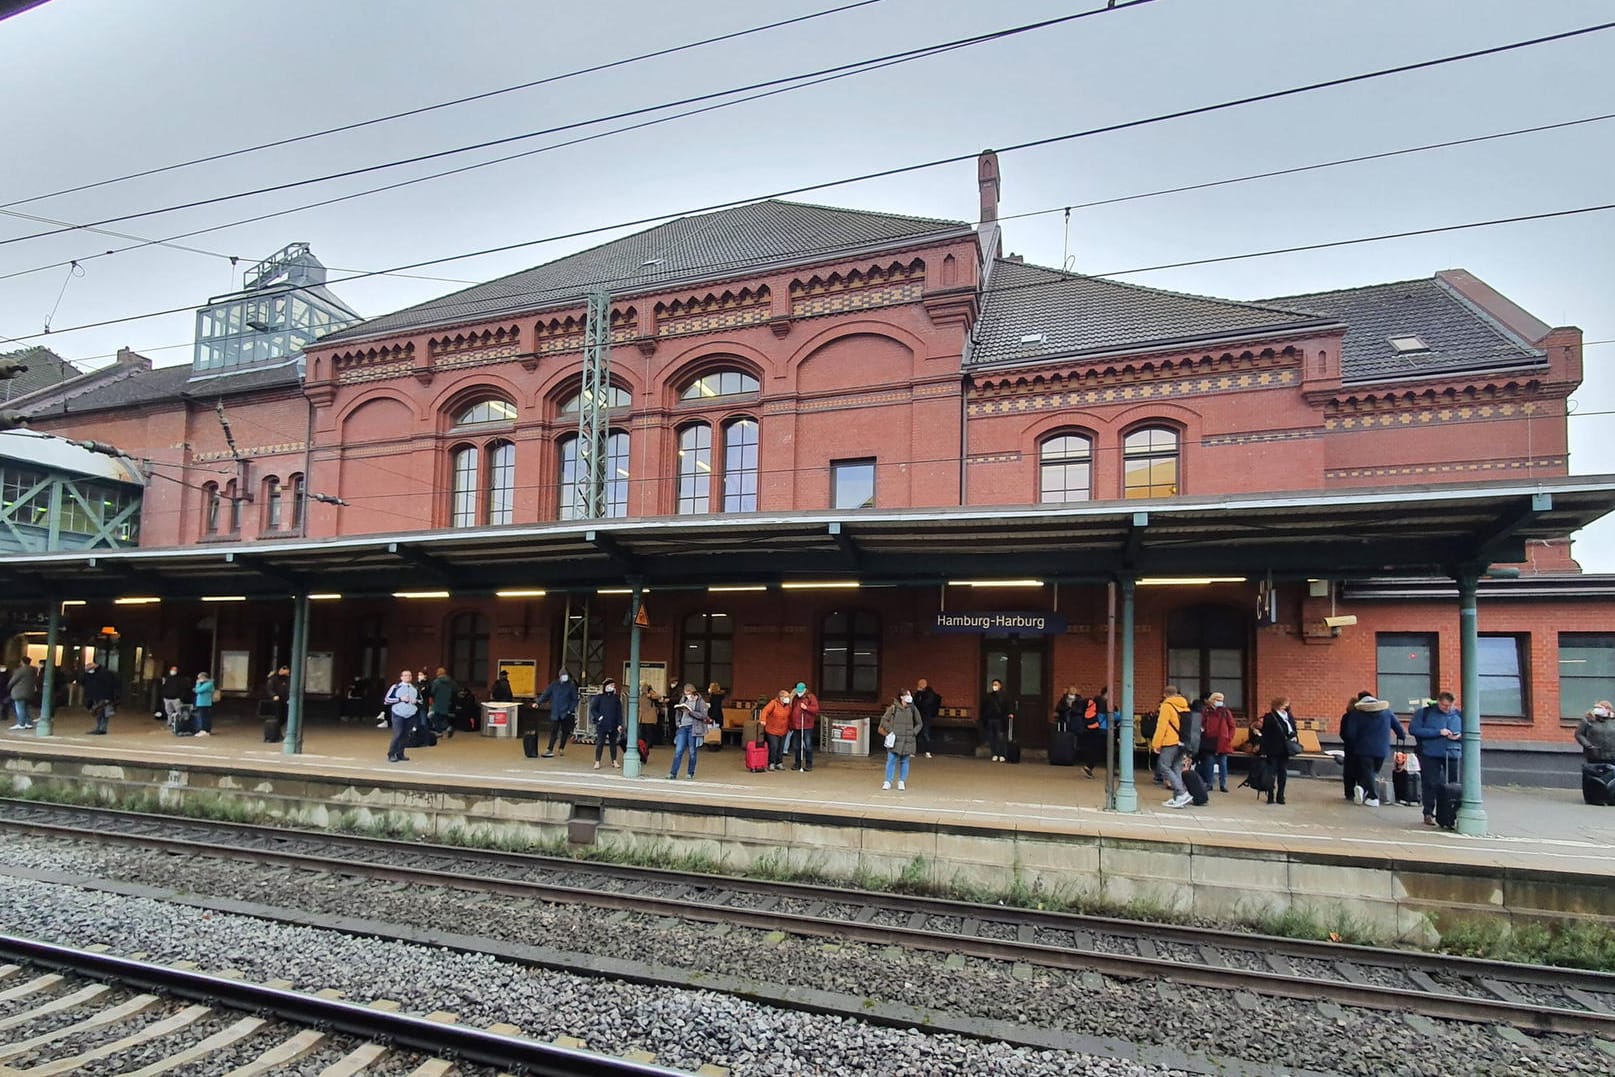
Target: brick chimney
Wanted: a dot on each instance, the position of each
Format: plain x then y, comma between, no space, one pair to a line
992,243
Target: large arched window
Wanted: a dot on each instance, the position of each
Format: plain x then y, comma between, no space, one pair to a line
740,466
849,654
719,383
467,461
616,491
294,486
482,465
1065,469
501,489
695,469
1150,463
468,648
272,503
210,508
616,397
492,410
709,650
1206,650
231,495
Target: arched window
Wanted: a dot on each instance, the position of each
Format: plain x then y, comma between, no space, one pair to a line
1065,469
492,410
235,506
740,467
468,648
463,505
294,483
570,505
210,508
719,383
501,482
695,469
1150,463
709,650
616,397
849,654
272,508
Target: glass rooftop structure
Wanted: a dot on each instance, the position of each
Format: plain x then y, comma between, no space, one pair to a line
283,306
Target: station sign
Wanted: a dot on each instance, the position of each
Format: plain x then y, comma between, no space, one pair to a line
1004,622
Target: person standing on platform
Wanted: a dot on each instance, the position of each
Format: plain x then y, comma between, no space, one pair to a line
995,718
1596,733
562,696
715,697
776,719
100,687
804,723
20,687
605,714
1168,744
403,703
442,691
500,692
467,715
1371,726
202,710
173,691
900,725
278,690
1277,734
692,729
1348,761
1439,730
1217,742
928,704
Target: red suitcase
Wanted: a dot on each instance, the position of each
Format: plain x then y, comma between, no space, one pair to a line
756,757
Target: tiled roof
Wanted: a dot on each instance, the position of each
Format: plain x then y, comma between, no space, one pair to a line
1032,313
706,247
45,369
142,386
1460,336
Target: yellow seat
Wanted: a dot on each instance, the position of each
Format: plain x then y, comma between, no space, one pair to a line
1309,741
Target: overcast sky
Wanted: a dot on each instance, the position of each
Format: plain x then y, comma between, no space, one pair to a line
100,88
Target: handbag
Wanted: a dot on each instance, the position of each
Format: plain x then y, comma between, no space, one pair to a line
891,739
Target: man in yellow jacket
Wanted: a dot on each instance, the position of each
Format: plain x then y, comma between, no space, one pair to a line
1168,743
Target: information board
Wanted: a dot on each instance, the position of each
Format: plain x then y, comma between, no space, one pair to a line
523,674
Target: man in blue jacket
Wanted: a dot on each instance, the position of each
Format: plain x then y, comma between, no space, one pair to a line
562,696
1439,729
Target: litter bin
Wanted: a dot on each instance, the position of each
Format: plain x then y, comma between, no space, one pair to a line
499,719
849,736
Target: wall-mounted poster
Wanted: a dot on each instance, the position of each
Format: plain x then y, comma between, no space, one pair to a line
523,674
317,675
233,667
651,673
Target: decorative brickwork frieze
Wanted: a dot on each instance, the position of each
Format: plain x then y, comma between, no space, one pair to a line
373,364
470,349
859,289
1554,464
714,311
1022,394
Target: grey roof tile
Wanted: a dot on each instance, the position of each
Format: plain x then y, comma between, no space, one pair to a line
140,386
705,247
1460,336
45,369
1074,314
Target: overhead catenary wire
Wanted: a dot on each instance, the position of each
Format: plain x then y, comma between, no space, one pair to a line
884,60
957,158
437,106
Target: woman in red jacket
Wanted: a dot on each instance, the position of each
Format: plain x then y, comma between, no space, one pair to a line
776,718
1216,742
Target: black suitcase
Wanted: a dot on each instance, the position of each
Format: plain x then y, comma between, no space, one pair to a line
1196,785
1063,749
1449,797
1598,784
1012,752
530,745
1407,787
272,734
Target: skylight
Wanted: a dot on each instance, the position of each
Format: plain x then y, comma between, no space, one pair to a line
1407,345
1035,338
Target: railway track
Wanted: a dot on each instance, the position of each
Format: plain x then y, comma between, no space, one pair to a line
65,1010
1440,986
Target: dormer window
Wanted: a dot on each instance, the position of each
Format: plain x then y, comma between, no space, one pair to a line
1409,345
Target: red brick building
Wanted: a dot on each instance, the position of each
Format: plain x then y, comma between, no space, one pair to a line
784,357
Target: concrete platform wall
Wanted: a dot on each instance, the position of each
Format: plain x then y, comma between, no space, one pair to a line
1388,899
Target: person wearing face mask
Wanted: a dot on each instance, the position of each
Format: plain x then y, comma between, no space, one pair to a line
173,691
692,729
562,696
804,720
900,725
605,711
776,719
995,720
928,702
1596,735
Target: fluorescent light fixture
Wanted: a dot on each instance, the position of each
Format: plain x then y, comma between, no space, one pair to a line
735,588
324,596
136,600
995,583
620,591
1186,581
420,594
531,592
821,585
72,602
224,598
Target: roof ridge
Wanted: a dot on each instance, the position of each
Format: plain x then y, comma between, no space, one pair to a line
951,222
1112,282
1353,288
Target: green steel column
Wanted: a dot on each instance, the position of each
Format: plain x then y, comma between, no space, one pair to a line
630,758
1472,815
292,744
1126,792
47,685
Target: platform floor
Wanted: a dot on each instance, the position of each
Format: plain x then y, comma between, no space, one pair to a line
1549,829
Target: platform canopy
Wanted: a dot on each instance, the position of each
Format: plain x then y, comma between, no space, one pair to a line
1371,532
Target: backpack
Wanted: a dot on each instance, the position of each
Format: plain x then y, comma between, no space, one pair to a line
1190,738
1090,714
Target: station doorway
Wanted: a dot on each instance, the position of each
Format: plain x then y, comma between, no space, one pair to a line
1022,663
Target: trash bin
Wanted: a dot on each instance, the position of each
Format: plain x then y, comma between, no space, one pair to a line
849,736
499,719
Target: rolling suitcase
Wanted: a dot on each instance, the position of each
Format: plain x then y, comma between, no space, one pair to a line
530,745
272,734
1598,784
756,756
1012,752
1196,785
1449,798
1063,749
1406,786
